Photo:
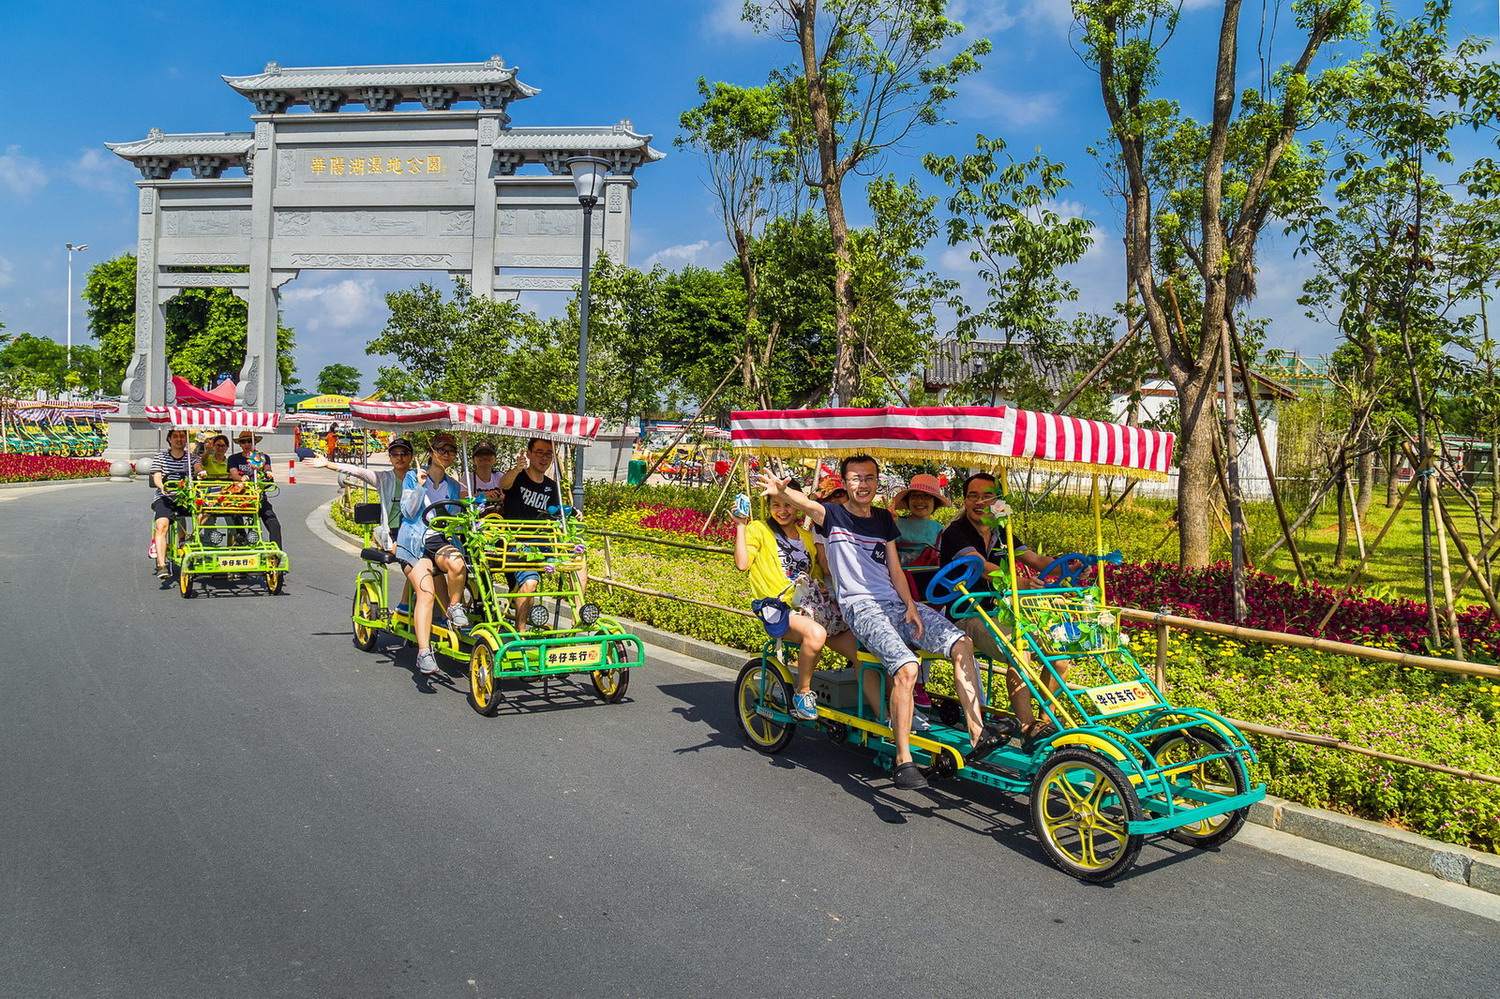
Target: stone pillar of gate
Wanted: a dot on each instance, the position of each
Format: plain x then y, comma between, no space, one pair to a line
259,386
130,436
481,274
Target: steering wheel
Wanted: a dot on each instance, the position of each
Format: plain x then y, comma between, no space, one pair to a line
1065,575
427,512
964,571
1085,563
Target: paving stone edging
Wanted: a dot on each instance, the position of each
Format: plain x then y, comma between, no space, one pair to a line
1456,864
60,482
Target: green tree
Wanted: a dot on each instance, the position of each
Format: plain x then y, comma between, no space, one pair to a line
472,349
871,75
738,131
1198,194
205,326
338,379
1001,209
1399,103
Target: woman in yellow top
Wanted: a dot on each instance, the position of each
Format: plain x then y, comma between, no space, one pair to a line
777,553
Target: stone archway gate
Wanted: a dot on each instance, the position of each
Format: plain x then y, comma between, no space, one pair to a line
391,187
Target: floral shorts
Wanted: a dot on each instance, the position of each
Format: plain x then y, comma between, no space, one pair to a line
818,604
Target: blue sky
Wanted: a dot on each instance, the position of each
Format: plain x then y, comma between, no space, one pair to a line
75,75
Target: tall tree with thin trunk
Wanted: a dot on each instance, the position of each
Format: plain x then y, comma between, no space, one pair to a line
872,72
1197,195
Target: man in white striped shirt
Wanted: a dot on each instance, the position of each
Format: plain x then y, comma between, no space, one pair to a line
173,463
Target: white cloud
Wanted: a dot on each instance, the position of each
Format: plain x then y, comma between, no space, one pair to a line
980,99
100,171
722,19
7,273
982,17
350,304
21,173
704,253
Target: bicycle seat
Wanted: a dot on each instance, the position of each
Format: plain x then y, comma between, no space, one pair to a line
377,555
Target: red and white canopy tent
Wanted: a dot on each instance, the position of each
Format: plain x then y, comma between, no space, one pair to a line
990,437
508,421
212,418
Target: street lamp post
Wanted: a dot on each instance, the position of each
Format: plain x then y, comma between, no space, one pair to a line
80,247
588,178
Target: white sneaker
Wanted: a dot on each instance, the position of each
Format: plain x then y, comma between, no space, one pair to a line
426,663
458,618
919,721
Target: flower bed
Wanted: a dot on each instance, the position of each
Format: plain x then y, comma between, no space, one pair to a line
1281,605
46,467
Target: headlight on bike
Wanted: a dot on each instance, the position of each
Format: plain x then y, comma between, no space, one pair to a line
588,613
537,616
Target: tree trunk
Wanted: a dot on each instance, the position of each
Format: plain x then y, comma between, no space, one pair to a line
1392,474
1366,479
750,375
845,372
1196,477
1341,490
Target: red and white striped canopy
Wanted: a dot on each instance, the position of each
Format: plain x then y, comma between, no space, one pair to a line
969,436
507,420
212,417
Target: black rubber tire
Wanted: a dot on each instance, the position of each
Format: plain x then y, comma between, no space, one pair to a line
1227,775
764,734
484,689
364,601
1102,779
611,684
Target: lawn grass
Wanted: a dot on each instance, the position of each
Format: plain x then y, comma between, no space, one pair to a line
1395,568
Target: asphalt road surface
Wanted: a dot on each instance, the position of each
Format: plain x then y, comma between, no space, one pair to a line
223,797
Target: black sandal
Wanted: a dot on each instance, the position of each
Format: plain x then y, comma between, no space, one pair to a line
909,776
1043,730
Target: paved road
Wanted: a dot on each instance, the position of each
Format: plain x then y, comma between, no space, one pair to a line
223,797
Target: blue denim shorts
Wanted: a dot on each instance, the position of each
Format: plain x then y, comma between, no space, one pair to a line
882,628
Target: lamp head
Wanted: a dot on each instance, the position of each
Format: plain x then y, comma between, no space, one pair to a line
80,246
589,173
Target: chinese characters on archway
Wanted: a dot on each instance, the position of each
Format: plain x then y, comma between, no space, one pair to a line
365,166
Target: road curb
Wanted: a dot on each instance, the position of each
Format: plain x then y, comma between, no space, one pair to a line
1399,847
87,480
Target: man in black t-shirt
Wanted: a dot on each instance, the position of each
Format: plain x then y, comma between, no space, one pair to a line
531,494
967,534
255,466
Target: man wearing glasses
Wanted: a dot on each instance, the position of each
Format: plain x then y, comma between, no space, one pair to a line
881,611
968,534
530,494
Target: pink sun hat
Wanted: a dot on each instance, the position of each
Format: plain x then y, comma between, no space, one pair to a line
923,484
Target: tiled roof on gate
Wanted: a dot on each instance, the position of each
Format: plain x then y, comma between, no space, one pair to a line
327,88
158,143
624,147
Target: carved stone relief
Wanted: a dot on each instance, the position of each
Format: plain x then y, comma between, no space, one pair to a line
286,167
538,260
135,383
536,283
203,259
460,223
355,261
616,198
293,223
148,200
224,222
489,129
616,251
262,135
466,160
168,283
